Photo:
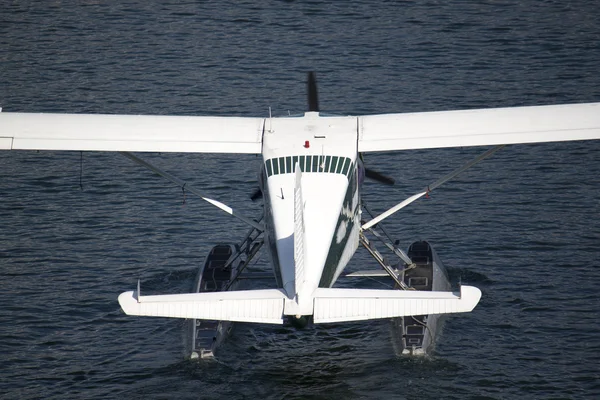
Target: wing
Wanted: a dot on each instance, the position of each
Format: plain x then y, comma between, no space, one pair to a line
479,127
24,131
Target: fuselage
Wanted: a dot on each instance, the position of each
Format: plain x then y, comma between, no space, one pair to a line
325,150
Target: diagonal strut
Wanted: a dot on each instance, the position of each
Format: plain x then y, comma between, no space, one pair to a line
189,188
429,188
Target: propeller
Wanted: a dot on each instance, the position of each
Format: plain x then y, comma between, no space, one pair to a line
378,177
256,195
375,175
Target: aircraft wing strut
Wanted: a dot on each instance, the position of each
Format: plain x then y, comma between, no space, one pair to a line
182,184
431,187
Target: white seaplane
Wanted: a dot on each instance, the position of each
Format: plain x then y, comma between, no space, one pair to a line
310,179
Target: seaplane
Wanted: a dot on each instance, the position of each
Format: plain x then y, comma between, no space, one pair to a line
313,220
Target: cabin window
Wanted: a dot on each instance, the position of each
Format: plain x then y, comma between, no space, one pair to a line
269,168
282,165
333,164
327,163
310,163
315,164
346,167
340,165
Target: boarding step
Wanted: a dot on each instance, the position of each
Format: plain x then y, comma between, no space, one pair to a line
382,261
420,277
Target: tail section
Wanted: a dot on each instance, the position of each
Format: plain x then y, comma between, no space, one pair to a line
262,306
340,305
298,232
328,305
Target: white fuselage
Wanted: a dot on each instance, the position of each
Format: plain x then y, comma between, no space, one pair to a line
325,149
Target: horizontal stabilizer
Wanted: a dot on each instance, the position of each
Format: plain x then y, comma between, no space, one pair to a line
339,305
330,305
262,306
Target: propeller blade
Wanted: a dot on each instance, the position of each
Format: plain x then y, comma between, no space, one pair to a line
258,194
379,177
376,176
429,188
313,96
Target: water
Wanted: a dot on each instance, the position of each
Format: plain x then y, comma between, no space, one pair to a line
523,226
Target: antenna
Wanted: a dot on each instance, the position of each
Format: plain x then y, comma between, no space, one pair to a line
270,121
139,295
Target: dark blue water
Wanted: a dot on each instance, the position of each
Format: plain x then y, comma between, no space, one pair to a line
523,226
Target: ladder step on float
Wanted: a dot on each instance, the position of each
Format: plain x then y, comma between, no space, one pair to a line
220,272
215,275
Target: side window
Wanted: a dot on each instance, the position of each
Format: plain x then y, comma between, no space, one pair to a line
308,164
288,164
275,166
294,162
